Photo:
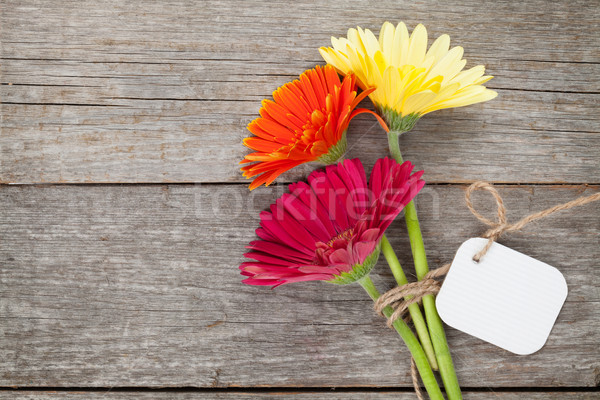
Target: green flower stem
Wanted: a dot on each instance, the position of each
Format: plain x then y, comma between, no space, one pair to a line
436,328
413,309
412,343
394,144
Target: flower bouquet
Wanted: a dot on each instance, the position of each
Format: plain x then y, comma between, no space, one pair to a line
332,227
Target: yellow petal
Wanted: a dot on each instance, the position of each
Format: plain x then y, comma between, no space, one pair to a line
449,65
479,94
408,77
433,84
370,42
386,40
339,44
357,66
428,62
482,80
469,95
400,45
443,95
412,81
354,40
418,102
439,48
335,59
375,76
380,61
391,87
469,76
417,46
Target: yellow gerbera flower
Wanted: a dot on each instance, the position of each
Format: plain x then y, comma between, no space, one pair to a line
411,81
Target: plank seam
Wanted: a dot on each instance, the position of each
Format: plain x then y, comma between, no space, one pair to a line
591,185
287,389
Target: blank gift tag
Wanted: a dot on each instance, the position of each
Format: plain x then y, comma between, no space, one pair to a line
507,299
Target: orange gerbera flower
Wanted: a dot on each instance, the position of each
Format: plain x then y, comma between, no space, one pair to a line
306,122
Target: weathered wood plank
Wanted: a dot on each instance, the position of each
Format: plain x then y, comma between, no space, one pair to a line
112,395
553,138
241,29
103,82
105,92
137,285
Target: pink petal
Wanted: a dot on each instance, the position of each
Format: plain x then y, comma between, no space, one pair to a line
259,263
339,192
298,230
356,172
261,282
255,269
316,269
341,256
370,235
311,200
276,249
283,236
309,218
309,277
321,188
362,250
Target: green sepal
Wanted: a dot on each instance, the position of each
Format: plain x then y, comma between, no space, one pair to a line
359,271
335,152
396,122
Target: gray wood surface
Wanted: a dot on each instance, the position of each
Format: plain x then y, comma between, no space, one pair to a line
111,91
333,394
138,286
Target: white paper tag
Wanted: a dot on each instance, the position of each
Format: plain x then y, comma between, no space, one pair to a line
507,299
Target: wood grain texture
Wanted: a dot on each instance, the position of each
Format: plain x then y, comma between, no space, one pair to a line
137,286
109,285
162,91
334,394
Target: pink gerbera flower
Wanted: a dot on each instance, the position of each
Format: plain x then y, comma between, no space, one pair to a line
330,228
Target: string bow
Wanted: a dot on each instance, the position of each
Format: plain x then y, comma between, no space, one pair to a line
399,298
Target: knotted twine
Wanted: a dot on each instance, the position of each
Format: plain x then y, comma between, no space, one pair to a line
400,297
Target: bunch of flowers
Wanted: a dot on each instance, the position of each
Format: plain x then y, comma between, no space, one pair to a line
332,227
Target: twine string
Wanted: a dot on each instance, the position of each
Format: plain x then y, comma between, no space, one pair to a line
501,226
401,297
414,374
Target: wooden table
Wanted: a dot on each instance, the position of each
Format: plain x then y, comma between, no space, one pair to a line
124,215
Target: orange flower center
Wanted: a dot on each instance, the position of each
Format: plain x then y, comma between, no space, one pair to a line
313,128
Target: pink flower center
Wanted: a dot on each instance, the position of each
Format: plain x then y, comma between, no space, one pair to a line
345,236
336,244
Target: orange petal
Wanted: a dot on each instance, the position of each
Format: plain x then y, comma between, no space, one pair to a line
332,78
273,128
308,90
361,96
364,110
259,144
281,114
